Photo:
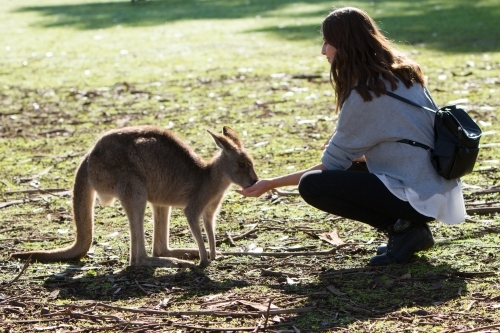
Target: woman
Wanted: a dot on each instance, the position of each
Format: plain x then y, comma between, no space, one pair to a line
402,191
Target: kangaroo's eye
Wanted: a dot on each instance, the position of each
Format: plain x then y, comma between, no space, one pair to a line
241,165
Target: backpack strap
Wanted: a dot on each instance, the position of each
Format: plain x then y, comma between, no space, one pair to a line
401,98
416,144
430,97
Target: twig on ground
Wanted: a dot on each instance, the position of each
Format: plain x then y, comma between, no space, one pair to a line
352,308
481,203
470,305
230,239
480,328
267,313
286,254
29,240
37,190
283,193
348,271
61,156
483,210
193,313
15,299
15,202
266,272
26,264
101,328
335,291
487,191
217,329
141,288
474,274
243,235
78,315
280,254
32,321
257,328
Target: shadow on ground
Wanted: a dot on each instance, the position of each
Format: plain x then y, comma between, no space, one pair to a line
346,295
460,26
339,298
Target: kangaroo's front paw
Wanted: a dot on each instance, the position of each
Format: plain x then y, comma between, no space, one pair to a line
204,263
213,257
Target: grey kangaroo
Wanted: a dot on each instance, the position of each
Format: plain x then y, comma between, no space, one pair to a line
147,163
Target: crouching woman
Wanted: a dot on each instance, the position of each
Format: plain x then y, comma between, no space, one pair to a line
400,192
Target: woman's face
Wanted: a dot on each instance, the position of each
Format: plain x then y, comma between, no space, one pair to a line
328,51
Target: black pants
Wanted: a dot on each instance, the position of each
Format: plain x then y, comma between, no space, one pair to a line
358,196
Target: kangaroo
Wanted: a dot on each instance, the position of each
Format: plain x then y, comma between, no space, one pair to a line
143,164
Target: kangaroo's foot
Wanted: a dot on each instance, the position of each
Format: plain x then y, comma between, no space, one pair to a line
184,253
164,262
188,253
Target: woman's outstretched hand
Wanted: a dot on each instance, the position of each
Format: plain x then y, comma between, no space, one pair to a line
266,185
257,189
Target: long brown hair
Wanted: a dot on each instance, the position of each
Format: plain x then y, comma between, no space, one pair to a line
364,56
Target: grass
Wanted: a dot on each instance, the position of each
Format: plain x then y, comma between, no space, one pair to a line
71,70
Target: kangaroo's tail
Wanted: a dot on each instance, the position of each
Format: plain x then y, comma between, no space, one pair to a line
83,211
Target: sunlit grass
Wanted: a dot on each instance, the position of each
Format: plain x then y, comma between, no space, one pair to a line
71,70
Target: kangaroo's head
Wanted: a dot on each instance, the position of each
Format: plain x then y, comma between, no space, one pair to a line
234,161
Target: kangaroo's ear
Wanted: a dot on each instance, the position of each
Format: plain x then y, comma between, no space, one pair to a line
230,133
221,141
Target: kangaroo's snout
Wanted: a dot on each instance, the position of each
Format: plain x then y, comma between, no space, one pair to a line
252,182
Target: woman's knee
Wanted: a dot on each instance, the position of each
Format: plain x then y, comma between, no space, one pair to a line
307,184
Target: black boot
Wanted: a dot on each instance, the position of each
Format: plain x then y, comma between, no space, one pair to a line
381,249
405,239
397,227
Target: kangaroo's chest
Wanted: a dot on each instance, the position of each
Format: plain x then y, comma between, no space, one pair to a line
173,192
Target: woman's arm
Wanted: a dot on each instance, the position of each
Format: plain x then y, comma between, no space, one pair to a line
359,159
265,185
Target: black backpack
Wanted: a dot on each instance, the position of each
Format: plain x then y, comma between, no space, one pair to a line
456,139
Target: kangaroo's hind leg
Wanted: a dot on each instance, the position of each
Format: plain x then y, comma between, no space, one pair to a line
133,200
161,231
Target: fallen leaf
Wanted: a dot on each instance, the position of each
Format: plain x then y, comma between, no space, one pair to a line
494,306
277,319
332,237
54,294
164,303
257,306
219,305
